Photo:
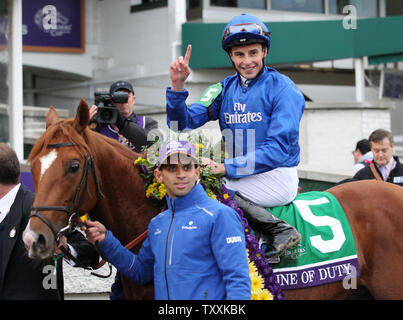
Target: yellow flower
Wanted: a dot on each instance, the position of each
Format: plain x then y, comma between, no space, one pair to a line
265,295
254,296
226,196
151,189
252,268
138,160
262,295
162,190
199,146
257,282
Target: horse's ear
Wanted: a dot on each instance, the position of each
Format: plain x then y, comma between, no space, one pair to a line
82,116
52,117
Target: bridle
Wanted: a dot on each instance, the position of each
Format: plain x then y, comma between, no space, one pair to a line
71,226
73,208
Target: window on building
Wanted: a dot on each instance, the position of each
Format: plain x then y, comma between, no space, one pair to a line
194,10
315,6
394,8
365,8
252,4
140,5
195,4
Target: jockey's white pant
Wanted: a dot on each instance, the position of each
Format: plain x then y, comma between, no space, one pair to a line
268,189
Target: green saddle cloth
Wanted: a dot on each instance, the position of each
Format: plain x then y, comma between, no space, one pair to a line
326,252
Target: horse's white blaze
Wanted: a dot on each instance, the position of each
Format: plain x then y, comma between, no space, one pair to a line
46,161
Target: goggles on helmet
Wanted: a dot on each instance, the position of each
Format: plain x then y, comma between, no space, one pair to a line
245,27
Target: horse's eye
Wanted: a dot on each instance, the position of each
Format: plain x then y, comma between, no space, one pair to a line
73,166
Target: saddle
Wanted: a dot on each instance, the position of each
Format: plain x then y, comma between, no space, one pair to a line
282,235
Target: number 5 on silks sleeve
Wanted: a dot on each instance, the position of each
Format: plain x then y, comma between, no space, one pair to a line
209,95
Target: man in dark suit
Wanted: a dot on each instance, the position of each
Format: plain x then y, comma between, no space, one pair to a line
21,277
385,166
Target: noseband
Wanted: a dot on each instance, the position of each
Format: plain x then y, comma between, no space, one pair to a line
75,202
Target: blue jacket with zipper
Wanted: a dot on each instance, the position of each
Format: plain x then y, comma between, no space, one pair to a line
194,250
260,123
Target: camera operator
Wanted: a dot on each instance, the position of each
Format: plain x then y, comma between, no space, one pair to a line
125,126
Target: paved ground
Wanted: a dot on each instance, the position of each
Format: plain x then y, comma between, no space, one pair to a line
80,284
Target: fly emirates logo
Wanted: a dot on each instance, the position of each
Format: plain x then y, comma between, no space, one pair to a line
240,116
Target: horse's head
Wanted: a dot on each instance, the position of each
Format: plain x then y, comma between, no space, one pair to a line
65,180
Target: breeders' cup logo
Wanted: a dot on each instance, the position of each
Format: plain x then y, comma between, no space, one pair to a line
295,252
51,21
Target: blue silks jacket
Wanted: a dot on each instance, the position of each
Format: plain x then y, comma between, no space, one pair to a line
260,123
194,250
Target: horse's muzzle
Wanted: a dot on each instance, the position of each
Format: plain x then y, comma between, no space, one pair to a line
37,245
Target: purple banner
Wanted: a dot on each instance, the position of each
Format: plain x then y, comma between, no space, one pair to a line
53,24
318,273
50,25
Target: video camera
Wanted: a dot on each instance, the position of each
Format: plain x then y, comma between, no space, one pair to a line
107,113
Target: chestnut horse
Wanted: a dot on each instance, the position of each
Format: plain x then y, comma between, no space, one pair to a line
373,209
58,161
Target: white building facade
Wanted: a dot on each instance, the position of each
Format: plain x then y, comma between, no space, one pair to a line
137,40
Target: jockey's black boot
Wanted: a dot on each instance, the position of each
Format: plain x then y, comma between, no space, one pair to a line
282,235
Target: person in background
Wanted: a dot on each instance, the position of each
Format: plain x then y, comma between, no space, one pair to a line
362,155
385,166
129,129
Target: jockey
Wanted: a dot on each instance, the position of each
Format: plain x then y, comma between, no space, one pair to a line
259,112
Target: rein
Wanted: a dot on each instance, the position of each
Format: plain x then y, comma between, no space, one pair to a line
129,246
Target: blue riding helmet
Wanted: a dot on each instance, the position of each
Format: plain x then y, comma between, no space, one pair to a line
245,29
